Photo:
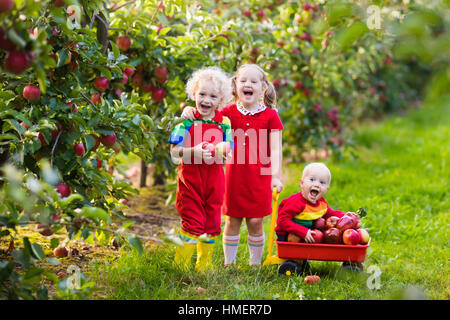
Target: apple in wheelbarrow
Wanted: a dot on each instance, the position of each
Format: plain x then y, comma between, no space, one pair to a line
317,235
346,222
331,222
364,236
333,236
351,237
320,224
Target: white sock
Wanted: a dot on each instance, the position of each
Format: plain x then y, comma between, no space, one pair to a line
256,248
230,246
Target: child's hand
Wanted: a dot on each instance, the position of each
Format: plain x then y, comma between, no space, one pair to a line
276,183
309,236
188,113
201,153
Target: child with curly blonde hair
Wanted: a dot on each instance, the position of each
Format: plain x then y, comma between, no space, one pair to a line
200,178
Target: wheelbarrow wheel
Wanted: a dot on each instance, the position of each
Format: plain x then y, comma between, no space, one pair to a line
291,267
352,266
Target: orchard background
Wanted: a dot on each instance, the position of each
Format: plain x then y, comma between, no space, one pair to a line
87,85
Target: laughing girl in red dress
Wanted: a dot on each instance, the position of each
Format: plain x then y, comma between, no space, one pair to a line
255,166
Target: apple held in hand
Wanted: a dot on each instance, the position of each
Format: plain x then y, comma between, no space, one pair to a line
351,237
364,236
210,147
317,235
331,222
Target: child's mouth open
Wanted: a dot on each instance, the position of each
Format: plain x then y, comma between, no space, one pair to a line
248,93
205,108
314,193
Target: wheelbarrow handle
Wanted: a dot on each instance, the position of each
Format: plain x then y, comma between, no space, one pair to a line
273,222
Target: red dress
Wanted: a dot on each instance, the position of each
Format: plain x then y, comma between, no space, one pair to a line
248,171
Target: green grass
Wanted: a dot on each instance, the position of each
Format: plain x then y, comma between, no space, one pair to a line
400,173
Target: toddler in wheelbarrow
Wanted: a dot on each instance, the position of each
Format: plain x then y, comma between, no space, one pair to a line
308,229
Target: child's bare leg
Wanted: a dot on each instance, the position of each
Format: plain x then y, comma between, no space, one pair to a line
231,237
255,239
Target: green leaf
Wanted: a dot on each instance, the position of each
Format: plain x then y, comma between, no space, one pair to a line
92,212
37,251
136,243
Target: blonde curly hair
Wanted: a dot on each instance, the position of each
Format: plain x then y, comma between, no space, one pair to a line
211,74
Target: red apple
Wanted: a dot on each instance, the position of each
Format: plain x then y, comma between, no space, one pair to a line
96,98
261,13
44,230
298,85
161,73
307,6
351,237
311,279
363,235
123,42
97,141
60,252
124,202
108,139
31,93
128,71
101,83
63,189
356,218
317,235
6,5
331,222
99,163
16,62
332,235
79,149
158,94
247,13
320,224
346,222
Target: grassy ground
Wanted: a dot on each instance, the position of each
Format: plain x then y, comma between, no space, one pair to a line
400,173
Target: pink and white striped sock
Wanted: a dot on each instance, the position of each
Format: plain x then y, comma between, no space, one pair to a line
230,246
255,247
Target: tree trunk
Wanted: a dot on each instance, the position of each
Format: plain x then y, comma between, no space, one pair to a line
143,174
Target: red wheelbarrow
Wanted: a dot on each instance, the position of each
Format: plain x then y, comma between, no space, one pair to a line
293,256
